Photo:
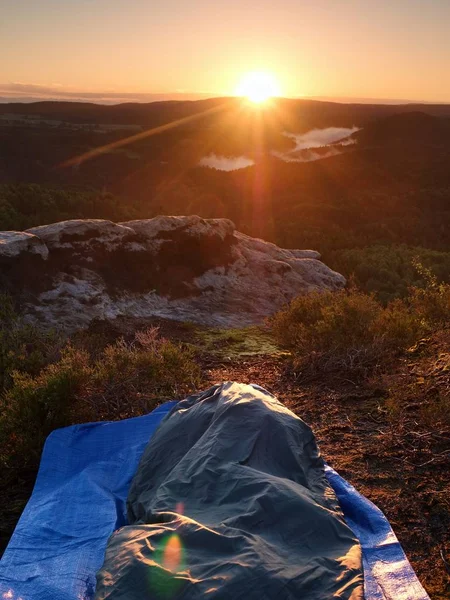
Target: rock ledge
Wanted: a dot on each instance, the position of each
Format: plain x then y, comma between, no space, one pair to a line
184,268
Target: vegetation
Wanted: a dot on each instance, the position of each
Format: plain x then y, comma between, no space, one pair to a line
351,331
47,384
369,427
392,189
235,343
28,205
390,271
22,347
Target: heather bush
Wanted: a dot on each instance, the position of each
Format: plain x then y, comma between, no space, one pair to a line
34,406
325,322
431,304
352,331
23,347
124,379
129,377
397,327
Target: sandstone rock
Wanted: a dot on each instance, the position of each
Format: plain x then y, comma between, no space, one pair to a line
13,243
192,225
258,245
306,254
82,232
183,268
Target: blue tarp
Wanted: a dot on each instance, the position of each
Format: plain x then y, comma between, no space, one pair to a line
79,500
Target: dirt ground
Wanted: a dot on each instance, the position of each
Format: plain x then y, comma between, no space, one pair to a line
396,458
357,439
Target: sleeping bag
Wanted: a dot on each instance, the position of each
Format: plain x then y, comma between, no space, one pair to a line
230,501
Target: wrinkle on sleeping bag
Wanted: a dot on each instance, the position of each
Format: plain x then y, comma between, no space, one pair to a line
230,500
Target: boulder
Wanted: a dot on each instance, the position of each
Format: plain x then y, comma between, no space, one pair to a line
182,268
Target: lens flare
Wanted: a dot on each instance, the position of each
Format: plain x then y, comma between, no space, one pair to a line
165,573
172,555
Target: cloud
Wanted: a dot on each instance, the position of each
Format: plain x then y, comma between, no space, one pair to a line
17,86
225,163
329,137
347,142
328,140
317,138
307,155
35,92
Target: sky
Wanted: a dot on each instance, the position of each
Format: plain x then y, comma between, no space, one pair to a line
129,49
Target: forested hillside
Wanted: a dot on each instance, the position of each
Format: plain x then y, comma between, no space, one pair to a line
389,187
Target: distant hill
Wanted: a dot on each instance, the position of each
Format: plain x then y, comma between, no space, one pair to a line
299,112
405,129
391,186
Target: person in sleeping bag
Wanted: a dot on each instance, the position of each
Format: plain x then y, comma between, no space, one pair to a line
230,501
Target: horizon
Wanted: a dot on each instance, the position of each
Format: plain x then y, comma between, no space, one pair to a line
109,51
106,99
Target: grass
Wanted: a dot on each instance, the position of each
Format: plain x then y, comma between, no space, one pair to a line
235,343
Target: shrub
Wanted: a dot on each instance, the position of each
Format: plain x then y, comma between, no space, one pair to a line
322,322
124,380
398,327
419,390
346,330
431,304
34,406
128,377
23,347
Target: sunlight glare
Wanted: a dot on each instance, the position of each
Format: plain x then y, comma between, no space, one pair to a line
258,86
165,574
172,556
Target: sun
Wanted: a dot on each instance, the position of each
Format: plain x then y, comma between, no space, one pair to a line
258,86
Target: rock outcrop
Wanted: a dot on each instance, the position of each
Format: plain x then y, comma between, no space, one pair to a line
183,268
14,243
